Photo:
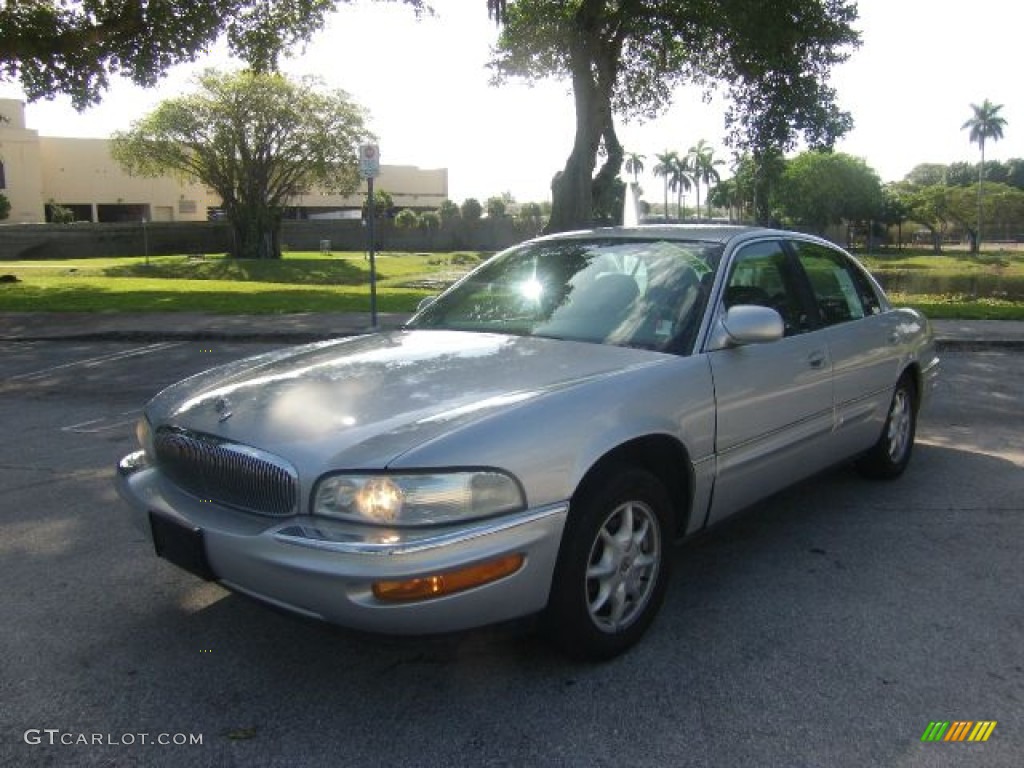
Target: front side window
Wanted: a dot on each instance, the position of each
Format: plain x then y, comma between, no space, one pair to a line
841,291
649,294
762,275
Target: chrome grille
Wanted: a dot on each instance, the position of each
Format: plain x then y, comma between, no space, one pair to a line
227,473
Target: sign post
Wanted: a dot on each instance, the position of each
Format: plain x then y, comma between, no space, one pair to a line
369,169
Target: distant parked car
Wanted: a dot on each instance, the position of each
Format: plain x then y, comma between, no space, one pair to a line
537,437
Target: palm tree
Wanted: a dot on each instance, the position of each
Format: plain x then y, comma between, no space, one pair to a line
710,174
702,164
667,162
985,124
692,161
635,165
681,183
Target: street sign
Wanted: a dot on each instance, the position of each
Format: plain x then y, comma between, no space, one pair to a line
369,161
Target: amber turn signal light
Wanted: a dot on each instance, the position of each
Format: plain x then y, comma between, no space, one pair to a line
447,583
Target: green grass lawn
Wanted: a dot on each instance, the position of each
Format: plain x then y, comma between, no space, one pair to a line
300,282
954,285
948,262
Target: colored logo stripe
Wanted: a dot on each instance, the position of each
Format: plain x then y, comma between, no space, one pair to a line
982,731
958,730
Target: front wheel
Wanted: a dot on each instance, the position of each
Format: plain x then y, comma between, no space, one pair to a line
890,455
613,566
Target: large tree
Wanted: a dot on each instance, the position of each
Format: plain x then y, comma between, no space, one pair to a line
74,46
257,140
625,57
1002,209
895,208
986,123
818,189
930,206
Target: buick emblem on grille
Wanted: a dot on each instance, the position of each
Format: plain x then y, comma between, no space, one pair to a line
223,408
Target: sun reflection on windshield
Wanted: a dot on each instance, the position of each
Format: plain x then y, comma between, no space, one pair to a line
531,289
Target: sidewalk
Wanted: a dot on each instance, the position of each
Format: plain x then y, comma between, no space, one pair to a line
298,328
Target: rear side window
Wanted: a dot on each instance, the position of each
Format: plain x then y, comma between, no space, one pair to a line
841,291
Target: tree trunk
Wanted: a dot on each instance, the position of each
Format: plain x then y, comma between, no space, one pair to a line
571,187
607,192
574,191
256,232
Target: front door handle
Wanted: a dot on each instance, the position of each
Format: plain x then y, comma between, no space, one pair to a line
816,359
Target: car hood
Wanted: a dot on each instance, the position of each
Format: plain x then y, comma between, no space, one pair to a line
364,401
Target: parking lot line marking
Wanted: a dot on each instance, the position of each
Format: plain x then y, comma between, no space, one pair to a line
105,422
94,361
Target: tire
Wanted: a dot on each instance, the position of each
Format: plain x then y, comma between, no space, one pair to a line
887,459
613,565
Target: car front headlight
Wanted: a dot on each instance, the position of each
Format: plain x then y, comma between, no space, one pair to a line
416,499
144,434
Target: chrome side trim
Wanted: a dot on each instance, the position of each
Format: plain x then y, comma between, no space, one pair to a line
409,543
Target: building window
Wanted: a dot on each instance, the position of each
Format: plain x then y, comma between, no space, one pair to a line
3,177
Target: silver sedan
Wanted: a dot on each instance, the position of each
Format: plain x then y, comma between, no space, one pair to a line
537,437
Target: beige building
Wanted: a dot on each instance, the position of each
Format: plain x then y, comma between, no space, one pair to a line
80,174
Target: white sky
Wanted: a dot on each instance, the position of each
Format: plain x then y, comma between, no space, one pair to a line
909,87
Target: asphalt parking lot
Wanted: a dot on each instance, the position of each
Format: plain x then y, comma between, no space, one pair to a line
828,627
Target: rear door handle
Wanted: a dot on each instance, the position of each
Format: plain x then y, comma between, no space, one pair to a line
816,359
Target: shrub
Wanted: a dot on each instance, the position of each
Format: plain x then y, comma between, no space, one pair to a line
383,204
496,208
59,214
448,210
530,212
430,220
471,209
407,219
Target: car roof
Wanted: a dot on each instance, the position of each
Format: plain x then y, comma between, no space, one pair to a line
706,233
715,233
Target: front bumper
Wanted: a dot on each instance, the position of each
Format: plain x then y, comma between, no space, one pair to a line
325,568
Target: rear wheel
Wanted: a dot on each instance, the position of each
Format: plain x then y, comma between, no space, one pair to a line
613,565
890,455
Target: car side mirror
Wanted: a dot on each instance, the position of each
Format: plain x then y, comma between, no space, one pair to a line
746,324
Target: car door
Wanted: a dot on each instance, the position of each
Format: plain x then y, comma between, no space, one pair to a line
864,343
773,400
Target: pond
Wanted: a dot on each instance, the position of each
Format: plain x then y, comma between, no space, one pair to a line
1009,287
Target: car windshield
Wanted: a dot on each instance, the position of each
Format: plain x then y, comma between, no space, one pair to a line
637,293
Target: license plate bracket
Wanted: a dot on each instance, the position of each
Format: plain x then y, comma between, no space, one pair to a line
181,545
